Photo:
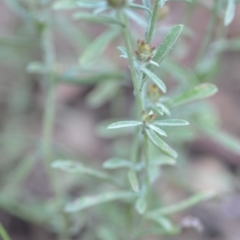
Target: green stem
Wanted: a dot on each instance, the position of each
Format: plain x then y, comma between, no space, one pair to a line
147,164
150,29
208,35
134,74
3,233
49,114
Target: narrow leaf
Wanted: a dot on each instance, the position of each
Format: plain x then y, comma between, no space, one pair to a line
97,47
141,7
133,179
74,167
141,205
197,93
158,142
197,198
114,163
97,19
163,160
171,122
155,79
166,45
230,11
157,130
164,222
89,201
124,124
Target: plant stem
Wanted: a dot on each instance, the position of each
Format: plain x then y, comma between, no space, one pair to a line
3,233
134,74
150,29
49,114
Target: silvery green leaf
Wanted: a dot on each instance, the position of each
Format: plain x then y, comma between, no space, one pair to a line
171,122
153,63
230,11
141,205
158,142
133,179
141,7
123,51
155,79
97,47
162,3
157,130
102,93
36,67
97,19
180,206
75,167
114,163
164,222
90,201
147,4
166,45
135,17
199,92
162,160
163,108
67,4
124,124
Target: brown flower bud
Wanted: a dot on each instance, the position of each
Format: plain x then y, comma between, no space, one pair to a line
116,3
144,51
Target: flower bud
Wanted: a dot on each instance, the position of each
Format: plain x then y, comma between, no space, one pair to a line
116,3
144,51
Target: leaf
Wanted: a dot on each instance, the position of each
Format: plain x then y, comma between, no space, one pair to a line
123,51
36,67
74,77
141,7
114,163
133,179
89,201
162,3
102,93
97,47
197,93
74,167
67,4
124,124
166,45
180,206
3,233
136,18
164,222
162,160
230,12
97,19
158,142
147,4
141,205
171,122
226,140
155,79
157,130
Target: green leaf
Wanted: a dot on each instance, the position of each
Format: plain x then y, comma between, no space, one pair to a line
147,4
68,4
141,205
180,206
158,142
124,124
230,11
157,130
75,77
226,140
162,3
97,47
75,167
155,79
141,7
164,222
114,163
90,201
133,179
36,67
162,160
97,19
102,93
3,233
166,45
171,122
197,93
